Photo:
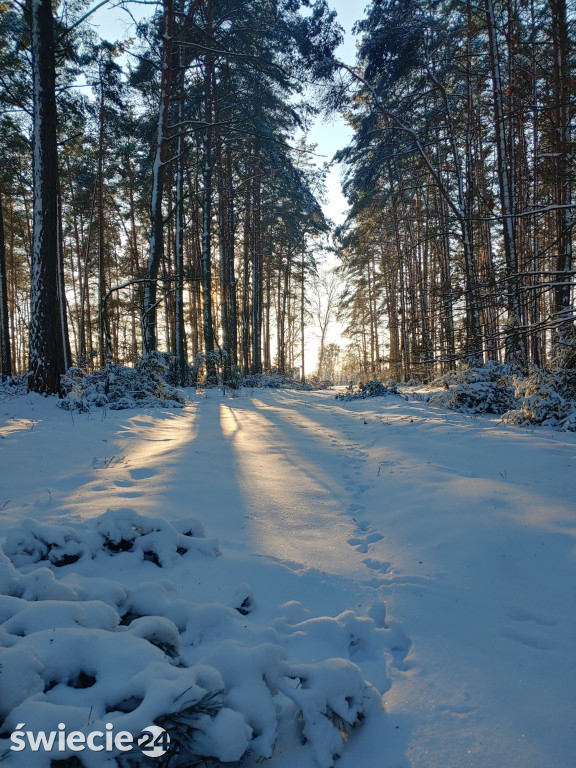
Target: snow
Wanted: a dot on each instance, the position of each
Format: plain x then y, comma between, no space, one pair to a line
302,560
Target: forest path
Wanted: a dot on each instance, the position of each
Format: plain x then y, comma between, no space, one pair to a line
463,526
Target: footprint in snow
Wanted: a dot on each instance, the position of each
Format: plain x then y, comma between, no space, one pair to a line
525,629
376,565
142,473
123,483
531,641
360,545
363,544
519,614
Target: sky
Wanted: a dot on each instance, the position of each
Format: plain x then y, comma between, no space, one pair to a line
335,134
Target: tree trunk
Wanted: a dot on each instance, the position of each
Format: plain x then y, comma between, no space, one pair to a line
179,330
5,356
103,329
47,358
515,342
207,181
257,274
564,340
149,336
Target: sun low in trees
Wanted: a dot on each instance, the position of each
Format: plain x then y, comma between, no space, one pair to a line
228,117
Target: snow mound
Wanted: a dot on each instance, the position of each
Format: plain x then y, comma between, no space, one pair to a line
118,387
117,531
88,651
373,388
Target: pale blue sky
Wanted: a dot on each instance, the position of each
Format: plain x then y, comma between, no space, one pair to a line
335,134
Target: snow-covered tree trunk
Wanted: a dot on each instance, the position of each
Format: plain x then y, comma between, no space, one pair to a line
564,337
5,356
515,342
46,339
207,186
302,319
179,330
149,337
103,330
226,247
257,274
247,236
62,303
230,233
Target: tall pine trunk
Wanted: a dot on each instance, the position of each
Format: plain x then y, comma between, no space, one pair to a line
257,273
515,342
179,328
46,343
149,334
564,340
5,356
207,199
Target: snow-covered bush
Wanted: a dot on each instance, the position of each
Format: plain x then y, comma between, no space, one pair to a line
483,389
273,380
118,387
373,388
315,382
540,401
80,649
120,530
14,386
539,398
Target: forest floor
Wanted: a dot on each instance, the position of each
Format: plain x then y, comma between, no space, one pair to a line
463,527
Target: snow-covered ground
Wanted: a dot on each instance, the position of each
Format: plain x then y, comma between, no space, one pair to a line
433,550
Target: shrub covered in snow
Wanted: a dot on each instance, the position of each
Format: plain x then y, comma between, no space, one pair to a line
373,388
483,389
279,380
120,530
14,386
83,650
118,387
540,400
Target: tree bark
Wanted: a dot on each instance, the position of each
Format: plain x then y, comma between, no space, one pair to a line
207,191
5,351
149,335
47,356
515,342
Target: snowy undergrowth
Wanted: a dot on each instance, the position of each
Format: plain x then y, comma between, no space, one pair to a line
279,380
118,387
543,399
373,388
485,389
79,648
16,386
540,398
